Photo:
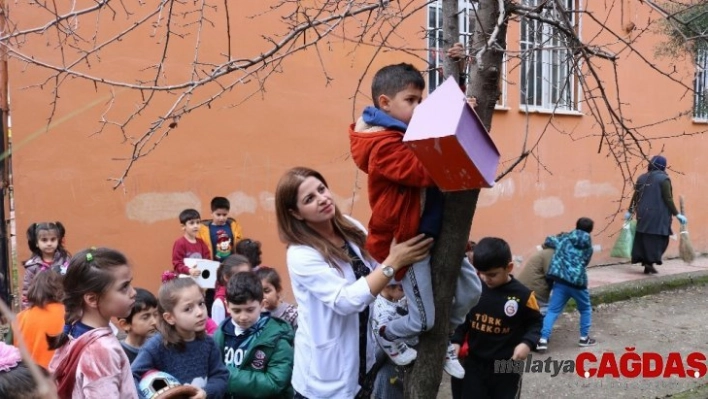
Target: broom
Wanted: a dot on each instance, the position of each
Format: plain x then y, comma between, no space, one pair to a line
685,247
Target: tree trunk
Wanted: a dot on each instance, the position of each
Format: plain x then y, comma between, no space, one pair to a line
484,77
424,379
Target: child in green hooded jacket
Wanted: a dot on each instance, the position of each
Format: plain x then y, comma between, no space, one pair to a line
256,348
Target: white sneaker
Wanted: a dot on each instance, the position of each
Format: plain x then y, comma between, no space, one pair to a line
399,353
452,364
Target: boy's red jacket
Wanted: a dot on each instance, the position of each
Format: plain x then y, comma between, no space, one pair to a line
396,185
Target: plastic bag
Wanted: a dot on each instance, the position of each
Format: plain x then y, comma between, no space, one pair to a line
623,245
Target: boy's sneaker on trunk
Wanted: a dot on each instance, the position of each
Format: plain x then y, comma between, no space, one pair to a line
402,355
587,341
399,353
452,364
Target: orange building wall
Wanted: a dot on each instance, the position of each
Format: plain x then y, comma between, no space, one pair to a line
62,173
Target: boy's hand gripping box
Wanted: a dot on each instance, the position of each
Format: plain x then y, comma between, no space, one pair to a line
451,142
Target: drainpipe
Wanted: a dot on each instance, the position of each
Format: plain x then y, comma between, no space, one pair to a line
5,268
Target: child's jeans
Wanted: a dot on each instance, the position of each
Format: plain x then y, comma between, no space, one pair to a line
559,298
418,289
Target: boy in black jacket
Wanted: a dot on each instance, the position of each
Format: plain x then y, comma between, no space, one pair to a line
505,324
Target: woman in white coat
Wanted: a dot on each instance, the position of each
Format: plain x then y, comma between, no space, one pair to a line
334,281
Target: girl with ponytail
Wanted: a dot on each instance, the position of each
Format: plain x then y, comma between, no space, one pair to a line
89,362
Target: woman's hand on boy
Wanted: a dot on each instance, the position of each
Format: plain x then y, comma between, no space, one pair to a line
201,394
409,252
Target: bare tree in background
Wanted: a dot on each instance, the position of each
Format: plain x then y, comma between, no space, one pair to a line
622,141
84,38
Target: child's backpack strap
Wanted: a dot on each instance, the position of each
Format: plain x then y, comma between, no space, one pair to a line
65,374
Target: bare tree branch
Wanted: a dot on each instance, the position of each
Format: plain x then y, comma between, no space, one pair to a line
501,20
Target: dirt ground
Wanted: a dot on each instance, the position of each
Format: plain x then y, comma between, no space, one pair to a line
673,321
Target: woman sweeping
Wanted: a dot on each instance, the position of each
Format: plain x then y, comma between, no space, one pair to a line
654,205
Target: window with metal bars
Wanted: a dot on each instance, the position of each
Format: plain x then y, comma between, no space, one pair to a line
548,81
435,43
435,37
700,85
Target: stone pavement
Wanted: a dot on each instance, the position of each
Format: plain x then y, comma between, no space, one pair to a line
616,274
663,322
623,272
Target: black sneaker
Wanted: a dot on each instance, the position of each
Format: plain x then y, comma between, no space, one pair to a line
542,346
586,342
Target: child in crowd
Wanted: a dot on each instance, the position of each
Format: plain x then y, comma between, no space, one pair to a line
228,267
272,300
533,276
44,318
250,249
189,245
568,271
182,348
397,183
221,232
89,361
211,325
140,324
257,348
46,242
16,380
390,305
504,325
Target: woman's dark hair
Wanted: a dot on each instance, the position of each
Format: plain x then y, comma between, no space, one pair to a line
33,233
227,266
293,231
45,288
251,249
18,383
167,298
89,271
271,276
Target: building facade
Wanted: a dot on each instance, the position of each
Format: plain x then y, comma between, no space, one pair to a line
300,116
